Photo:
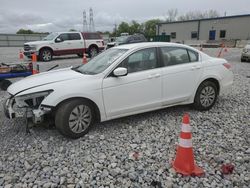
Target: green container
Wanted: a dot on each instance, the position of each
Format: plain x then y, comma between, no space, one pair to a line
159,38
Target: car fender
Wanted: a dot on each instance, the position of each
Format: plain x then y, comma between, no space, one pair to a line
211,76
95,96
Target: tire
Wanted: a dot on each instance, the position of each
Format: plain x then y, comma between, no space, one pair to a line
45,55
67,118
93,51
4,84
242,60
206,96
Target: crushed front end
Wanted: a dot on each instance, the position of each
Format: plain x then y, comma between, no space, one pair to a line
28,106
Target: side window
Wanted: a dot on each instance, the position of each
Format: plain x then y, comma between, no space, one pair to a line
141,60
194,56
92,36
64,36
174,56
74,36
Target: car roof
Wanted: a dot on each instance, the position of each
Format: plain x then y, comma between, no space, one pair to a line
152,44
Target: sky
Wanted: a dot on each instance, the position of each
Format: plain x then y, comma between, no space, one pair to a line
63,15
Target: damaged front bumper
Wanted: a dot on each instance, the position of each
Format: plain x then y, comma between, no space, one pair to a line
25,107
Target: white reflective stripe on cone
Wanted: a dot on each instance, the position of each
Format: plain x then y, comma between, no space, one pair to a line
186,128
186,143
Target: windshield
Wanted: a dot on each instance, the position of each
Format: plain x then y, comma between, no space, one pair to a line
121,39
51,36
99,63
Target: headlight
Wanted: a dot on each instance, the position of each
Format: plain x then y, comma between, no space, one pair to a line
32,100
32,47
245,50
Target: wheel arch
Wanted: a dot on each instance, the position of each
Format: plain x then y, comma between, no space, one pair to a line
46,47
96,108
213,80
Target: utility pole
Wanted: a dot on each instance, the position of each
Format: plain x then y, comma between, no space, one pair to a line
115,29
91,20
85,24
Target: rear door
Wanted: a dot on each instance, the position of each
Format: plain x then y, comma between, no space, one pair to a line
76,43
180,75
136,92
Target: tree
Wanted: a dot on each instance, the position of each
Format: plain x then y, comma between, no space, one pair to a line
122,28
150,27
135,27
25,31
172,15
198,15
72,30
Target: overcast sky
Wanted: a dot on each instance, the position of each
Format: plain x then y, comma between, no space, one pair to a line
62,15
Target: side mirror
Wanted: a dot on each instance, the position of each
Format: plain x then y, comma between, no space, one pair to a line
120,71
58,40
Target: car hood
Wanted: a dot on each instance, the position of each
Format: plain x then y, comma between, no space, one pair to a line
43,79
37,42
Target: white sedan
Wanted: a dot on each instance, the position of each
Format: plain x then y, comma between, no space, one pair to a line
124,80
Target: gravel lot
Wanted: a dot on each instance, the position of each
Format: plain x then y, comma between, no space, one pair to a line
44,158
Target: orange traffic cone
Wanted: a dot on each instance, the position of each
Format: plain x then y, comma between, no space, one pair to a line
84,59
184,162
34,64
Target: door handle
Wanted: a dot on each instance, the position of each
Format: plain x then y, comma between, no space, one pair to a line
154,76
157,75
195,67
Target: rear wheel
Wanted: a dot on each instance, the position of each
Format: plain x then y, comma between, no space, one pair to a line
45,55
206,96
93,51
74,118
242,60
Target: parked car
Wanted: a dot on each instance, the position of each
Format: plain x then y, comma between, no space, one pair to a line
127,39
121,81
64,43
245,54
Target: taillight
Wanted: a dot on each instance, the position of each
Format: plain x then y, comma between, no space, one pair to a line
227,65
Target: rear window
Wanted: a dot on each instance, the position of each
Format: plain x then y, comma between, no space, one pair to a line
194,56
92,36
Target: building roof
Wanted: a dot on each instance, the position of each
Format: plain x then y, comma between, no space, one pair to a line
204,19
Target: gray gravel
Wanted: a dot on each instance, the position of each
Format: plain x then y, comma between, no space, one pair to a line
104,157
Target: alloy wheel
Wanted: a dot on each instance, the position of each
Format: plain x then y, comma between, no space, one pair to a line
207,96
80,118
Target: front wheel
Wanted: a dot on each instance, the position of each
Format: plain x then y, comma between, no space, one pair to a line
206,96
74,118
45,55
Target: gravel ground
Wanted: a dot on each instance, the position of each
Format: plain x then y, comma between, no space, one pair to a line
102,158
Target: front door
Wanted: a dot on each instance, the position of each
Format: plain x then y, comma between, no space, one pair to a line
139,91
212,34
62,48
